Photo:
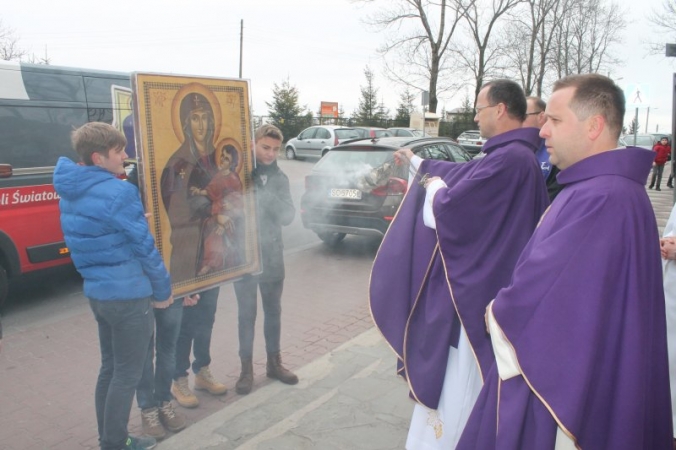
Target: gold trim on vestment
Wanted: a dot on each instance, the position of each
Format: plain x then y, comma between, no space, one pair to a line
424,281
537,394
400,357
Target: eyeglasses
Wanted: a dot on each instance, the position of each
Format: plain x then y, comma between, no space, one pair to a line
478,109
534,113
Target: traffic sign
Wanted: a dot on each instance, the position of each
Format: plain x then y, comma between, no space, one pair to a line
637,95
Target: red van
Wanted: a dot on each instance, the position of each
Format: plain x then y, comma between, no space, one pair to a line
39,107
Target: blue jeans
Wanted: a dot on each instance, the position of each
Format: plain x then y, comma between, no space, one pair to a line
155,386
125,329
247,300
195,335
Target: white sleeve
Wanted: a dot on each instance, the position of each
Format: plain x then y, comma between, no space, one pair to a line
414,165
505,357
428,212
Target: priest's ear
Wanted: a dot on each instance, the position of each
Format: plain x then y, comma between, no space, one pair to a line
596,125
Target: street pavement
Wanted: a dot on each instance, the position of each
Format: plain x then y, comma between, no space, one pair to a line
346,399
348,396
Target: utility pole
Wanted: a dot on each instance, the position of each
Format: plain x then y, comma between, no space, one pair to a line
670,51
241,45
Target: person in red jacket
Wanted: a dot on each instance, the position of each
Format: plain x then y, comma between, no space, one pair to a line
662,151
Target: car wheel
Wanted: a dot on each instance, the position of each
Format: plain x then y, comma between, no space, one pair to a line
331,239
290,153
4,283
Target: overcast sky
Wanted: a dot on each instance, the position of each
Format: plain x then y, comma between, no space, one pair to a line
322,46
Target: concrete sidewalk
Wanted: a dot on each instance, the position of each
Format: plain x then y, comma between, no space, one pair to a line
349,398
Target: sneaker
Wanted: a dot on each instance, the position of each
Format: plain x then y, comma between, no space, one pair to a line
171,419
182,393
139,443
150,423
205,381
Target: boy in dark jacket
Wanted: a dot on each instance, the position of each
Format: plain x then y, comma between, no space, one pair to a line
662,151
106,230
275,209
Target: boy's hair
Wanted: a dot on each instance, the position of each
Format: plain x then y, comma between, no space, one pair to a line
596,94
270,131
96,137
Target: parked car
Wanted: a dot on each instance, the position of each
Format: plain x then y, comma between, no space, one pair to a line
356,188
471,141
407,132
642,140
373,132
315,141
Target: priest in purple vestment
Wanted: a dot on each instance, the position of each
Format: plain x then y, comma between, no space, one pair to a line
429,284
580,333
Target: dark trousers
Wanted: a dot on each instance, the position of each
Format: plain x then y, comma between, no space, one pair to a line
196,326
247,299
155,385
125,329
657,175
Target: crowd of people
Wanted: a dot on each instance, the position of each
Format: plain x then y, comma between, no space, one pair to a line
523,292
529,312
146,336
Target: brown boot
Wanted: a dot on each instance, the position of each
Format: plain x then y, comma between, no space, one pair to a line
277,371
151,425
245,381
171,420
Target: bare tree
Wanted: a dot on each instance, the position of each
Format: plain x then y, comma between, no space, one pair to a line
530,41
585,37
9,45
481,58
417,47
665,22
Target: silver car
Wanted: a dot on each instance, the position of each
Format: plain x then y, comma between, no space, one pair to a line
642,140
406,132
471,141
315,141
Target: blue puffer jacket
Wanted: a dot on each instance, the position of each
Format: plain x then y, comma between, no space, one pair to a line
107,233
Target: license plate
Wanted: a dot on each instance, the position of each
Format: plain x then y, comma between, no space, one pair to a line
354,194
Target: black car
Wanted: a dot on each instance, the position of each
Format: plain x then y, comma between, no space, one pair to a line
357,188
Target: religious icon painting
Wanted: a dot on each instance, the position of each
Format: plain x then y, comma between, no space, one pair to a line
194,141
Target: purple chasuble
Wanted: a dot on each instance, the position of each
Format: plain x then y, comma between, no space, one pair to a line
585,316
426,283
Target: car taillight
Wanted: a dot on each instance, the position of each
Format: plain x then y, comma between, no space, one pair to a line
335,141
394,186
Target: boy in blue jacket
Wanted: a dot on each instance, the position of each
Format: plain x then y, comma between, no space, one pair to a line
124,276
